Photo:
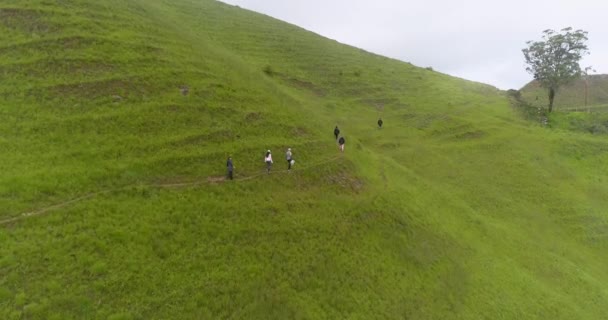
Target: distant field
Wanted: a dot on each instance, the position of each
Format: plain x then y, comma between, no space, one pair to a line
118,118
594,108
572,97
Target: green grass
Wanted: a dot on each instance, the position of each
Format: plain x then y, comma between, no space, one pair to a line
589,122
457,209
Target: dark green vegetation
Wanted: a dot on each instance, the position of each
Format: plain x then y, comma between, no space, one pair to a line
456,209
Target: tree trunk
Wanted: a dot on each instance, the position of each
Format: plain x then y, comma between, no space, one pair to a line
551,97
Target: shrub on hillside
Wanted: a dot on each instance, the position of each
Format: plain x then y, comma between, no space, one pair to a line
515,94
268,70
526,110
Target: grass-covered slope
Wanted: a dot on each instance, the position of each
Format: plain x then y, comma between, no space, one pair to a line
572,96
118,117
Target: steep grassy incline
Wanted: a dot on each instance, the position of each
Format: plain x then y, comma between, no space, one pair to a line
572,97
118,117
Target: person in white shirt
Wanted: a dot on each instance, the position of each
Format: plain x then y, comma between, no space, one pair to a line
268,160
289,158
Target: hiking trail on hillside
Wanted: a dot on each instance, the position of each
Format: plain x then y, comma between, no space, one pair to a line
208,180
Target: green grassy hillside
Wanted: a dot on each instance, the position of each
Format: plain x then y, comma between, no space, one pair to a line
572,97
118,117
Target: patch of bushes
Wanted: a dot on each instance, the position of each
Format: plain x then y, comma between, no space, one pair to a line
527,110
594,122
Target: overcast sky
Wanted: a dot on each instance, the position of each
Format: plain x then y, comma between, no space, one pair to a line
479,40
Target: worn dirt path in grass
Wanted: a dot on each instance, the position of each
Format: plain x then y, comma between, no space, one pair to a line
208,180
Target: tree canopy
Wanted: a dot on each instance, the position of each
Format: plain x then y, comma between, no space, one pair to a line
555,60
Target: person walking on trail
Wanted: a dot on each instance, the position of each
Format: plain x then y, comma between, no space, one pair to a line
380,122
341,143
230,167
336,132
289,158
268,160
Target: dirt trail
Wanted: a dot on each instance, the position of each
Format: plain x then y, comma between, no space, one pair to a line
208,180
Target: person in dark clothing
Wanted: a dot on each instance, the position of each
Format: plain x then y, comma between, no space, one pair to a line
230,167
341,142
336,132
380,122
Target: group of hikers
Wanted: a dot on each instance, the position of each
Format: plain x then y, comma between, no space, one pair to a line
288,155
267,160
341,141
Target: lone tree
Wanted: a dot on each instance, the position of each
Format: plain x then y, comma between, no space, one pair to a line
554,61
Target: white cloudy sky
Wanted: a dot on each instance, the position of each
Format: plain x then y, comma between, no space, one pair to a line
479,40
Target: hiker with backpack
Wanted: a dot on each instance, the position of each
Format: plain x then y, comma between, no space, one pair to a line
336,132
290,160
341,143
268,160
230,167
380,122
